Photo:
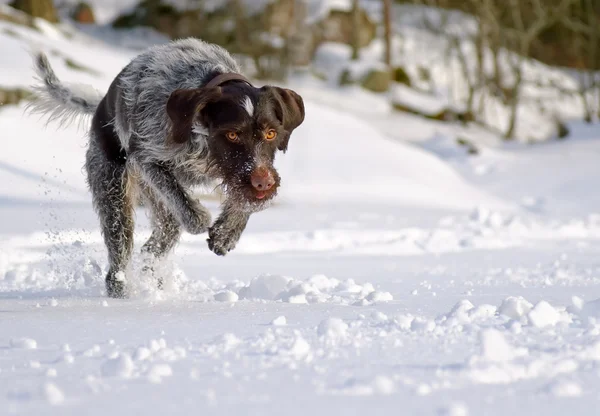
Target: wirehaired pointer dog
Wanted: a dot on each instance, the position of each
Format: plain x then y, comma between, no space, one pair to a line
178,115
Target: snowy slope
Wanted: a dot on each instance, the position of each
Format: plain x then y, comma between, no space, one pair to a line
389,279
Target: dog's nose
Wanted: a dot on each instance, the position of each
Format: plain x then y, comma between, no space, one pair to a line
262,179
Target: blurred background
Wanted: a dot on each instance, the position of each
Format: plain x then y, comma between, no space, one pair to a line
441,103
518,69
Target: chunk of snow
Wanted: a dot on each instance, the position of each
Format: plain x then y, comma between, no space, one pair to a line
379,297
226,296
141,354
121,366
264,287
279,321
543,314
23,343
514,307
297,299
300,349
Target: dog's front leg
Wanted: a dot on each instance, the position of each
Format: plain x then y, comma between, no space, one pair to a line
192,216
227,230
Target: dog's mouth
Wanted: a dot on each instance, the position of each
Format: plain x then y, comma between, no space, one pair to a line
246,195
262,196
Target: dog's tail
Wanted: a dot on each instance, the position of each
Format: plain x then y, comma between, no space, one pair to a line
57,101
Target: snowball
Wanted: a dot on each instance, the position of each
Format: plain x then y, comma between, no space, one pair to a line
23,343
53,394
543,314
121,366
332,328
279,321
264,287
226,296
514,307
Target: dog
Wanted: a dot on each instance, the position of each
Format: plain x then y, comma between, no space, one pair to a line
177,116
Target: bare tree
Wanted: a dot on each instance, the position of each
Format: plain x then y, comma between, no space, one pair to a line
583,22
520,38
458,43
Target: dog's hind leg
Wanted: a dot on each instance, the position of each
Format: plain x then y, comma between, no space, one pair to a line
110,184
165,232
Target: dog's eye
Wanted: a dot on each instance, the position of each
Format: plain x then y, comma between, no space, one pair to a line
271,134
232,136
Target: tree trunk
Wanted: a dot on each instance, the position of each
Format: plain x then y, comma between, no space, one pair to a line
514,102
355,29
387,22
43,9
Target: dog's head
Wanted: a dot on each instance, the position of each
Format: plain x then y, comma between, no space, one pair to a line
245,127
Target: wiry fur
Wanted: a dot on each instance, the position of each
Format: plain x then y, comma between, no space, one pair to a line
60,102
145,143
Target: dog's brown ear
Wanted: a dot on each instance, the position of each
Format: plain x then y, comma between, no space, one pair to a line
183,106
290,111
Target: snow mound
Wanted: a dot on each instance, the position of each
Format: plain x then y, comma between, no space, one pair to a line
317,289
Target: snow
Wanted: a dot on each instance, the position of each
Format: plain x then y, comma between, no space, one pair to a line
394,272
543,314
24,343
53,394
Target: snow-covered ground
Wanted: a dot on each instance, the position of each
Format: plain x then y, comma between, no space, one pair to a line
391,278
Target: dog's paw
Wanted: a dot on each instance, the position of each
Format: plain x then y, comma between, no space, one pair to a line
115,285
222,239
196,220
